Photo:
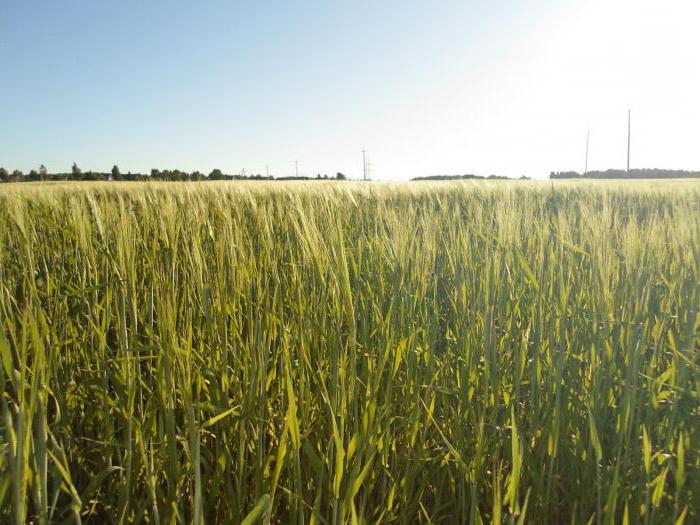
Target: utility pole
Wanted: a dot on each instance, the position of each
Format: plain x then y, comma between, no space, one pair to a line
588,136
364,166
629,133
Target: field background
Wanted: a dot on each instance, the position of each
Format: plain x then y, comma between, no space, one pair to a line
350,352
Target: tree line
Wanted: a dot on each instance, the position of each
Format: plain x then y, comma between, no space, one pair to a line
624,174
467,177
76,174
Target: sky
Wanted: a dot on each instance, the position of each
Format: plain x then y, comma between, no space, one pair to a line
500,87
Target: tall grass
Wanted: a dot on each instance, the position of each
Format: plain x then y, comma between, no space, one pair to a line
457,353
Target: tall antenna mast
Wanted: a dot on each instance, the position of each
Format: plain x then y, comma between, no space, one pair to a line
588,136
267,171
629,133
296,167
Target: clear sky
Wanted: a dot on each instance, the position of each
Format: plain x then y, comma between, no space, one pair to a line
427,87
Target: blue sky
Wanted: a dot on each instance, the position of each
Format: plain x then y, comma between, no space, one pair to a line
505,87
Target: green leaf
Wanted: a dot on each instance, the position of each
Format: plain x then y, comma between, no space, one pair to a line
6,354
594,436
213,420
262,508
646,446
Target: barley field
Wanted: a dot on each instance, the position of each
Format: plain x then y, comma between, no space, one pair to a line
327,353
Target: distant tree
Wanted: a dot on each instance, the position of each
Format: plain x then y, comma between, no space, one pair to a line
564,175
17,176
196,175
155,174
4,175
92,175
116,174
624,174
216,174
75,171
340,176
43,172
33,175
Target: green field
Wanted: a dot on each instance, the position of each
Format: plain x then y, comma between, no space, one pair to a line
346,352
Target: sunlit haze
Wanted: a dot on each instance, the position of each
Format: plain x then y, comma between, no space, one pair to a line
444,87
